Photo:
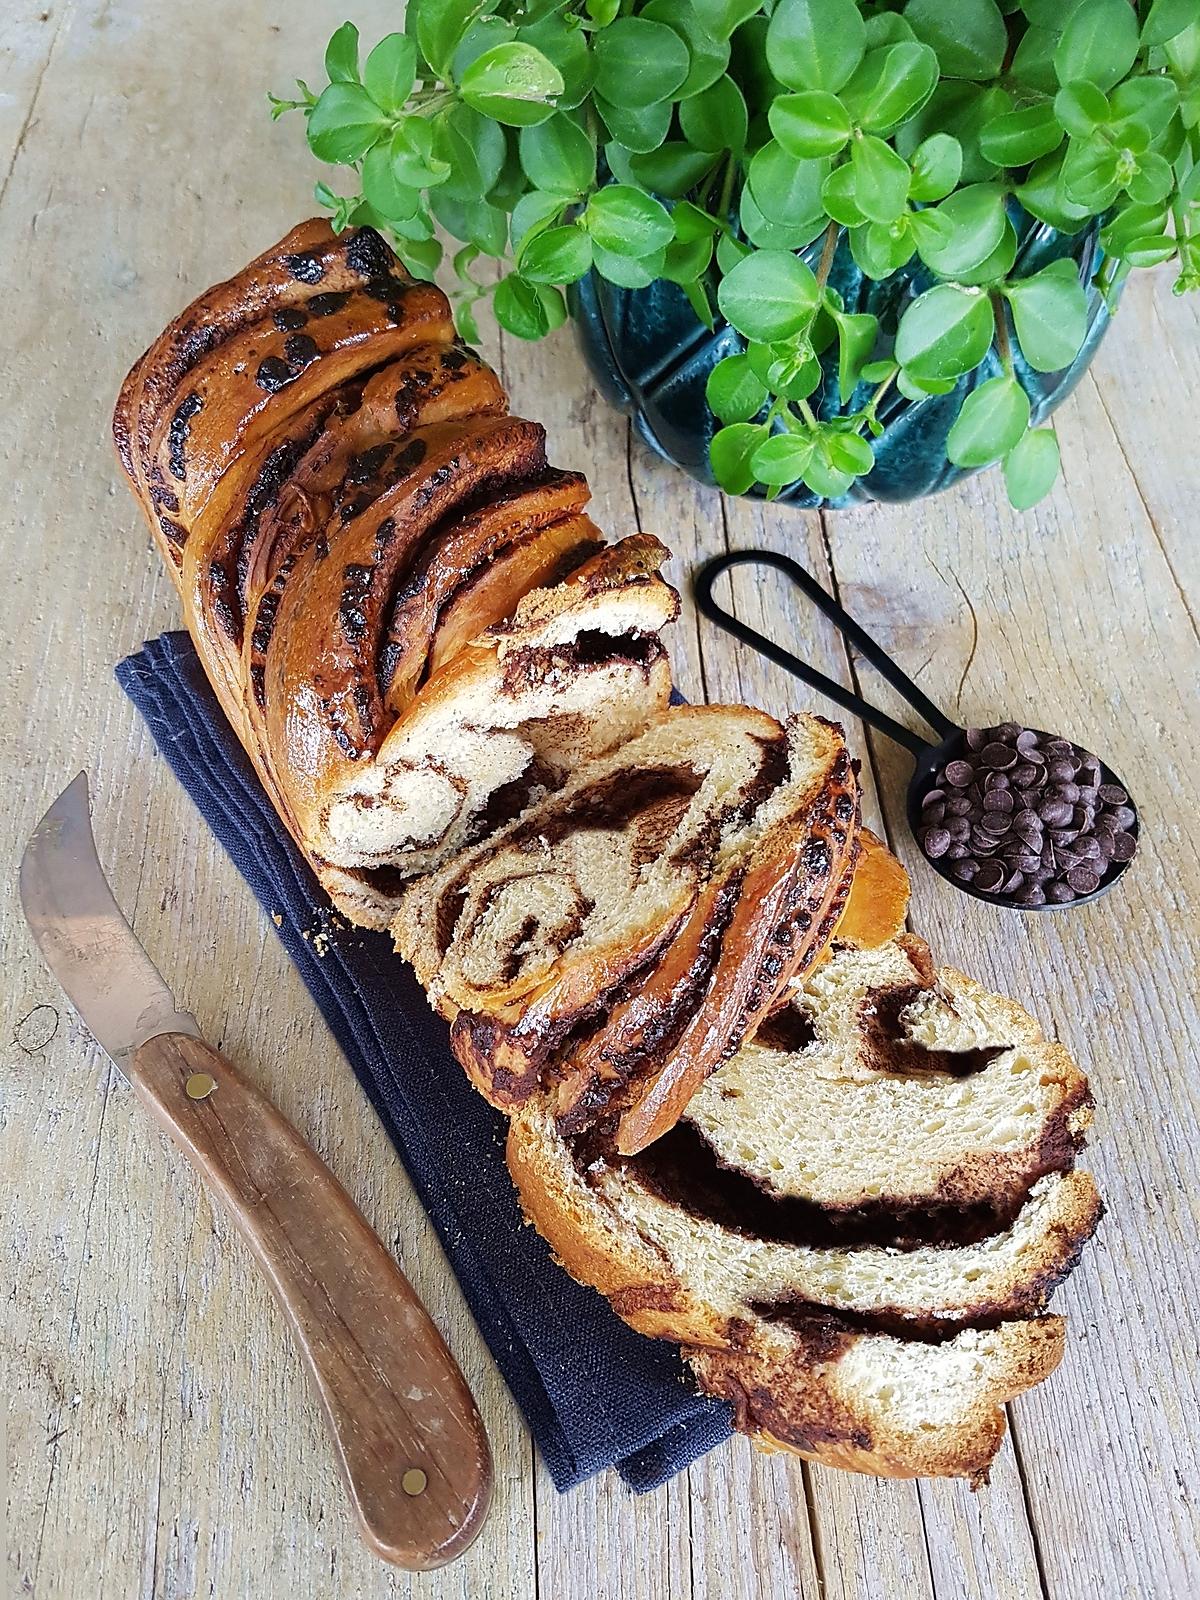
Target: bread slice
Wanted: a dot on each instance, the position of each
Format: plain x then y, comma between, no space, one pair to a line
867,1331
627,931
884,1087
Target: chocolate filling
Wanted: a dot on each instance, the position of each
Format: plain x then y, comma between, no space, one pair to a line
887,1047
682,1169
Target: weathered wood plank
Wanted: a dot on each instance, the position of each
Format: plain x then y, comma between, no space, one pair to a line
193,1460
1080,629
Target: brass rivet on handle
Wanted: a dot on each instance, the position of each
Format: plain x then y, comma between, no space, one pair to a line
414,1481
200,1085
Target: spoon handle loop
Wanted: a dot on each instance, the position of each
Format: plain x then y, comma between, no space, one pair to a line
846,625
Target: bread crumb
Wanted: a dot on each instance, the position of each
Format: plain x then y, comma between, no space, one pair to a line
277,919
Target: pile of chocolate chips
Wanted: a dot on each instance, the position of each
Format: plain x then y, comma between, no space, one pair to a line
1026,817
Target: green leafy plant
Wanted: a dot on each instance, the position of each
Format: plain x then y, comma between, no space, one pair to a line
729,146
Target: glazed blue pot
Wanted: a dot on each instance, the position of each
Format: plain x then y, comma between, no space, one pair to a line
651,356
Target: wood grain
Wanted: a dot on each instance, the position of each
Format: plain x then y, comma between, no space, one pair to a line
409,1441
161,1445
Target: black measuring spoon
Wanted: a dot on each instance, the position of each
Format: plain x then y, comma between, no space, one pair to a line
953,743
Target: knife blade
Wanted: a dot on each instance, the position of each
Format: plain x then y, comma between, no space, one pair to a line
408,1437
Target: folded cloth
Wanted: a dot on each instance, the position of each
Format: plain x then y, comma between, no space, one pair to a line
594,1393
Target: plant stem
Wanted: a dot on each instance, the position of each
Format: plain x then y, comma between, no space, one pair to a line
883,388
832,233
1002,341
726,190
806,411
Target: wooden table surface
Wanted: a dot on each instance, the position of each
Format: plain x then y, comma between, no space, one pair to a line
161,1437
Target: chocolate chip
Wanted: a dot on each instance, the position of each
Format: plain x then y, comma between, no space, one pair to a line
1014,882
1007,731
997,755
958,827
990,876
1055,813
998,800
958,806
1124,846
1123,816
965,869
932,798
1027,739
935,842
996,780
1066,791
1113,795
957,852
959,773
1059,894
1025,775
1083,879
1062,769
977,738
995,822
932,815
1031,895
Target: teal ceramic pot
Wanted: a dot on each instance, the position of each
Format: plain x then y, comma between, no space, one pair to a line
651,356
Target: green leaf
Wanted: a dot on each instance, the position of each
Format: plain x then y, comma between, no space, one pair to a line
770,295
1031,467
838,196
687,259
560,255
715,120
945,332
638,128
532,212
520,309
991,421
920,389
936,167
1044,195
733,392
484,34
692,223
413,155
627,222
815,44
391,71
1081,108
810,124
708,52
767,235
1166,19
881,248
566,46
639,63
977,217
1148,250
730,454
474,147
890,85
344,124
341,55
857,333
881,178
782,458
1050,316
960,109
514,83
969,35
822,475
1091,172
1019,137
730,251
422,257
1099,43
629,272
723,17
558,155
996,266
785,190
849,452
602,12
1153,180
674,169
1147,104
441,25
381,188
1032,65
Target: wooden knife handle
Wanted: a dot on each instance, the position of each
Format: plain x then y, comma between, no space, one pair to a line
409,1440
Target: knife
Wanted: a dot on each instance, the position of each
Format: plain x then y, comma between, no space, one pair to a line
409,1440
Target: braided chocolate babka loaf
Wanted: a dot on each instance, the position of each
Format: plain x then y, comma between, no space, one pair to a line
405,612
743,1103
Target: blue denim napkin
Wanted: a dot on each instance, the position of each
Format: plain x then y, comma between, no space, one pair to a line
594,1393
